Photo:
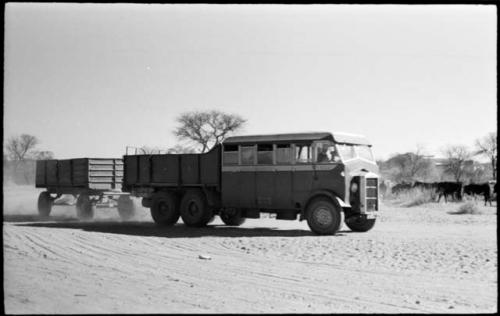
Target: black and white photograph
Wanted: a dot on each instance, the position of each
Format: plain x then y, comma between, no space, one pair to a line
250,158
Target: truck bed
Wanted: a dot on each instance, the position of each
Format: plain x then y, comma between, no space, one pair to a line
164,170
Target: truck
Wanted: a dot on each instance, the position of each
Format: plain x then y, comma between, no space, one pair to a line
94,182
324,178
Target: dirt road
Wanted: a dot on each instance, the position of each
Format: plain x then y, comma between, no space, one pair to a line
415,260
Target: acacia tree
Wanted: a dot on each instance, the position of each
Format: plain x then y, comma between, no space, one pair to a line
207,128
179,149
457,157
149,150
487,146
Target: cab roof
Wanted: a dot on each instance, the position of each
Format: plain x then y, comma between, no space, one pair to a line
337,137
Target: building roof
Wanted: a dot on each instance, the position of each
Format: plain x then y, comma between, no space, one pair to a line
298,138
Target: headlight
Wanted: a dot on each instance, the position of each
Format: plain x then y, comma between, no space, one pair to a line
354,187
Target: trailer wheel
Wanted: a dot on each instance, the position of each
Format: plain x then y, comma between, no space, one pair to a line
195,210
165,209
44,204
324,217
84,207
360,224
126,208
232,217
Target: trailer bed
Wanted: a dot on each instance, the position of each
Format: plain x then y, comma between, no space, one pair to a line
65,175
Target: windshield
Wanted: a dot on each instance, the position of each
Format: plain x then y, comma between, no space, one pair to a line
350,151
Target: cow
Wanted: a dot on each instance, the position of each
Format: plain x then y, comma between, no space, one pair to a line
449,188
382,188
425,185
479,189
398,188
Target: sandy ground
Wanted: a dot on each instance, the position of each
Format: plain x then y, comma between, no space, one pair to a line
415,260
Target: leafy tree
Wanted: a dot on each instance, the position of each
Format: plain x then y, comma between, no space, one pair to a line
458,157
408,167
487,146
207,128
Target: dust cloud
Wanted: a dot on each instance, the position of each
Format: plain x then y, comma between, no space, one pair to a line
20,204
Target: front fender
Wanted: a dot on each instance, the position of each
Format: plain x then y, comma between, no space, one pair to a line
332,195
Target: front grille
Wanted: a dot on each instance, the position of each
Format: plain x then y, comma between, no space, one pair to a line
371,205
372,194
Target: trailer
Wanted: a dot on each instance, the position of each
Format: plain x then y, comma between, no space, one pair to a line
324,178
94,182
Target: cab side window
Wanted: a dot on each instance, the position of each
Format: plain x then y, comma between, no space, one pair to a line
326,153
303,154
283,154
265,154
247,155
230,155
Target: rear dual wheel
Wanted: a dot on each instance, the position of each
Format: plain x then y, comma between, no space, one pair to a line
85,207
195,210
165,208
126,208
44,204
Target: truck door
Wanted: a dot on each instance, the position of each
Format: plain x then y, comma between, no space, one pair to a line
302,172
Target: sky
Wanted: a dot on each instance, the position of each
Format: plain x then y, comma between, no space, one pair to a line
90,79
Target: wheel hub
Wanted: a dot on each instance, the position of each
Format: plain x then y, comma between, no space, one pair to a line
193,209
163,207
323,216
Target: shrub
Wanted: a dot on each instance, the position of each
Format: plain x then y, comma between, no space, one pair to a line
415,197
467,208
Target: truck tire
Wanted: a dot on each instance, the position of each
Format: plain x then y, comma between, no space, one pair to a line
84,207
360,224
165,208
44,204
126,208
324,216
195,210
232,217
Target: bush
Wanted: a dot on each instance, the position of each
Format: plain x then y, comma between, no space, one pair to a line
415,197
467,208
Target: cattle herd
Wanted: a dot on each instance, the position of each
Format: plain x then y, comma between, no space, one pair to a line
454,190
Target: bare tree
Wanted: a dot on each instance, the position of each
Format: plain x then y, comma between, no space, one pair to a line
487,146
20,147
179,149
149,150
42,155
457,158
207,128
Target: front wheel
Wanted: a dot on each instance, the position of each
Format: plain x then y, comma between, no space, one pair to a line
84,207
324,216
232,217
44,204
360,224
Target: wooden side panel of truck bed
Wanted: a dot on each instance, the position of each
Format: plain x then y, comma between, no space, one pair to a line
166,170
